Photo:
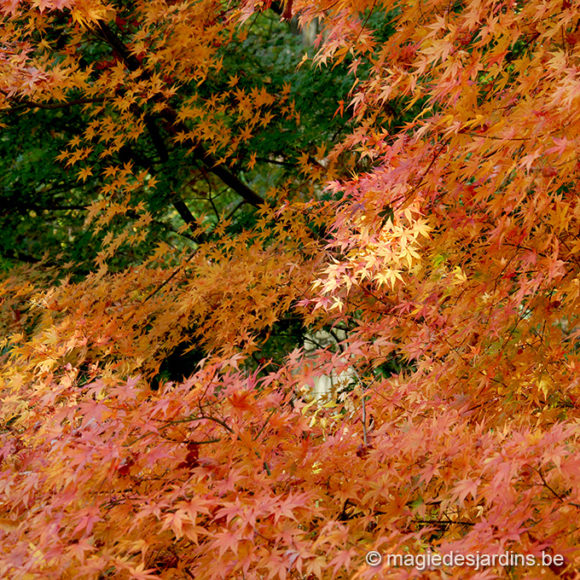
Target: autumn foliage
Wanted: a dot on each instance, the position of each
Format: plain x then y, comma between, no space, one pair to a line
436,235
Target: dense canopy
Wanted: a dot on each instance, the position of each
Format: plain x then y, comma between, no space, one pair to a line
207,207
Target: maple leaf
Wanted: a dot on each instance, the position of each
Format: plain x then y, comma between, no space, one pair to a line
226,541
175,522
140,573
85,173
88,518
464,488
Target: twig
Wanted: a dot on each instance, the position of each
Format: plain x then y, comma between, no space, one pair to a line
177,270
547,486
265,423
200,418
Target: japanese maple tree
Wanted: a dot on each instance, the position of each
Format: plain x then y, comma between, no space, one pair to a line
430,226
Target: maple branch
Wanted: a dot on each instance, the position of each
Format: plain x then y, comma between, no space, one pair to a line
156,137
444,522
213,207
364,420
235,209
175,126
171,276
363,24
229,178
405,199
21,257
28,104
203,442
493,136
183,211
264,425
102,29
275,162
336,338
26,207
364,409
174,231
159,144
343,516
199,418
552,490
174,198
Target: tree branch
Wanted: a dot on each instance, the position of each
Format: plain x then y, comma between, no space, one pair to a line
28,104
20,256
175,126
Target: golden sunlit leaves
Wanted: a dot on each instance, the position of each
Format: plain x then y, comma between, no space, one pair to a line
89,12
444,267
